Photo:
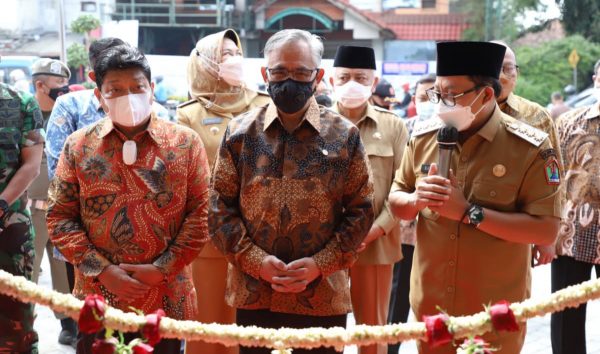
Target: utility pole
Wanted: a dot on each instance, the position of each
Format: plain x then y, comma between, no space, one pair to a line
61,31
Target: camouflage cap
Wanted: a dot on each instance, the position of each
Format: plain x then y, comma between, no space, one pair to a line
47,66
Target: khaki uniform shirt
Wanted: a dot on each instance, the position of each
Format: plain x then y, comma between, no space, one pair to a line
38,190
456,266
211,126
384,136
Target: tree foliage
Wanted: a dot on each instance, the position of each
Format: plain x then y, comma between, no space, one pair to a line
84,24
582,17
495,19
545,68
76,56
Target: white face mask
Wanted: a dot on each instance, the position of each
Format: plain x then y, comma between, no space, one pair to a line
424,110
460,117
129,110
352,94
231,70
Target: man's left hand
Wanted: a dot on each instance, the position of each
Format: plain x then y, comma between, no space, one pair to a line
300,273
543,254
454,208
375,233
148,274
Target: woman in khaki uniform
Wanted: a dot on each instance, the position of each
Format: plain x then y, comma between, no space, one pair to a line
215,80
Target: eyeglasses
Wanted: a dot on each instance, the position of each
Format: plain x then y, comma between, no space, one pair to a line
448,99
510,69
280,74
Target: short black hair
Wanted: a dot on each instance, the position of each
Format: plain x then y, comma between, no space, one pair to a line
596,67
482,81
557,95
101,45
120,58
426,79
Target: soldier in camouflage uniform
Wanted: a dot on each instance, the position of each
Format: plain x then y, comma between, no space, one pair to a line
21,146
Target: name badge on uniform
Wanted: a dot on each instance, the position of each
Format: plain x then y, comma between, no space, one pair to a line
425,168
211,121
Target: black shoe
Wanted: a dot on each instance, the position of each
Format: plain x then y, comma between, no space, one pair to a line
68,334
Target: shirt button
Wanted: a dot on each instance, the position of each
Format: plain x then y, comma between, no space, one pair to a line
452,236
464,159
492,193
450,289
451,263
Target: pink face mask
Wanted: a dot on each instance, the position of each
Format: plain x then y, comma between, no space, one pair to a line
129,110
460,117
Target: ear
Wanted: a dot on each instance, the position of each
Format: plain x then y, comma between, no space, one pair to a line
152,88
101,100
375,82
38,85
319,76
92,76
331,82
488,94
263,71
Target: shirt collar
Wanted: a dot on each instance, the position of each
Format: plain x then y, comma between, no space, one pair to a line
593,112
370,112
312,115
513,102
490,128
153,129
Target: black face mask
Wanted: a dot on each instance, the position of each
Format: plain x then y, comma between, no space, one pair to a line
58,91
290,95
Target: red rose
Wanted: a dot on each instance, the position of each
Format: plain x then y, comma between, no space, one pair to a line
142,348
92,314
150,331
437,330
503,319
104,346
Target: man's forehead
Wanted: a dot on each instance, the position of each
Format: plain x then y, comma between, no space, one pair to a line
353,71
125,75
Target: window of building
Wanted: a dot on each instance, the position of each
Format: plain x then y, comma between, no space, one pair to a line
428,4
409,51
88,6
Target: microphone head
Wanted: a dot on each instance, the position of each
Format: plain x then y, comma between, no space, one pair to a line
447,135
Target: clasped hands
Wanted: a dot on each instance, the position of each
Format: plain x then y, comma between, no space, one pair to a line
293,277
441,195
130,281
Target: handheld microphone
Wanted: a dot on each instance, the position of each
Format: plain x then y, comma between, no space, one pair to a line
447,138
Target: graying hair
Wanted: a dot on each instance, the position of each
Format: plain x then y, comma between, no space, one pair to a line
292,35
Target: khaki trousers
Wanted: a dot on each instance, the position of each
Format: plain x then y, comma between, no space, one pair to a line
210,279
58,268
370,289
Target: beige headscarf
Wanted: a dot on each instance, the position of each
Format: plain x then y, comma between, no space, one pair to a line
214,94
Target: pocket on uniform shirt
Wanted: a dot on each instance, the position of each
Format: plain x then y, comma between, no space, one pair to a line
496,196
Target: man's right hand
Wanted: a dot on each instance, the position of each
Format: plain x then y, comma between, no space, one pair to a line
432,190
118,282
272,267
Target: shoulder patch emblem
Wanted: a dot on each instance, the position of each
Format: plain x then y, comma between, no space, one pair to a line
552,172
527,133
427,126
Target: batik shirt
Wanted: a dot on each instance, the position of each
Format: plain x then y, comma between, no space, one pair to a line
305,193
102,211
579,235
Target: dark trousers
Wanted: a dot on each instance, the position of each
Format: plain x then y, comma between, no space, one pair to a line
399,304
567,328
165,346
268,319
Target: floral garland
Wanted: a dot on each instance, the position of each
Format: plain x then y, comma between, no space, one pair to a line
500,316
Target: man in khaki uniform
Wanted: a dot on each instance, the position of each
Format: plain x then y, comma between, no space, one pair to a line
474,229
50,78
533,114
217,98
384,136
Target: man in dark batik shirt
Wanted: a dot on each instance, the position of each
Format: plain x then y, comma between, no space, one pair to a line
291,199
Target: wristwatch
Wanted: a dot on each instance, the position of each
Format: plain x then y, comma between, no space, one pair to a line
475,215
